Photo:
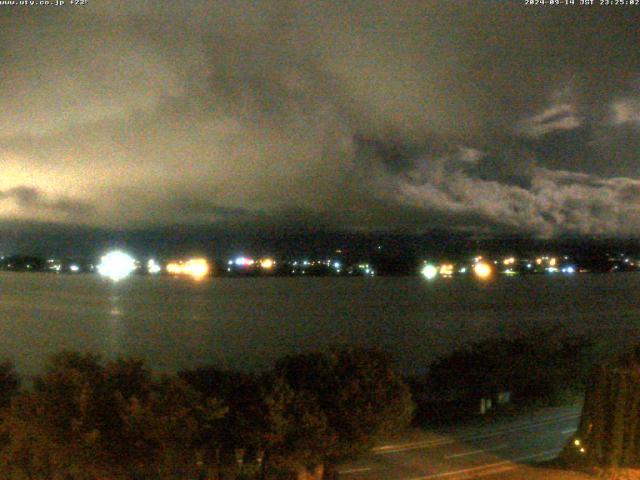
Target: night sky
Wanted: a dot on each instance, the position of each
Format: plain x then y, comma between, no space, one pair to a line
485,118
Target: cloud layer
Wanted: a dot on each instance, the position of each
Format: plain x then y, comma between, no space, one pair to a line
356,115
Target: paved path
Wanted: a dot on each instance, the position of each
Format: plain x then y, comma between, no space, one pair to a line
469,452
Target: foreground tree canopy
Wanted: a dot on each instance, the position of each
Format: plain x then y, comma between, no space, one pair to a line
85,418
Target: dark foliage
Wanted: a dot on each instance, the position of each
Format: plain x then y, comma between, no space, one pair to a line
9,383
533,367
89,419
358,391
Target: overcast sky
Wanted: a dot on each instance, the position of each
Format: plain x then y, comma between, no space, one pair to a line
489,117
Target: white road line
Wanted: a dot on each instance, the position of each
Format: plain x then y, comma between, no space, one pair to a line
354,470
387,449
478,471
475,452
495,471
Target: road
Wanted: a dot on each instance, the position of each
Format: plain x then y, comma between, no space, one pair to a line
469,452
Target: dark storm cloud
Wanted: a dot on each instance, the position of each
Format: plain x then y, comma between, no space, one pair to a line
360,115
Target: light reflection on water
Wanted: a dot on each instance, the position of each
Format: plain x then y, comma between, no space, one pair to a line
247,323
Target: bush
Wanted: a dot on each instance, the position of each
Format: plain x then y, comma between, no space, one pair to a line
358,391
89,419
536,367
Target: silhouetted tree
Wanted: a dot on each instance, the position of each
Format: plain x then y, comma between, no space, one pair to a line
357,390
87,420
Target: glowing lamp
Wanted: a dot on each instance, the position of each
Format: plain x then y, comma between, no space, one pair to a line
267,263
196,267
116,265
153,267
446,270
174,268
482,270
429,272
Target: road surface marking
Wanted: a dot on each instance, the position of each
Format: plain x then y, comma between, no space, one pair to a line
478,471
387,449
475,452
354,470
495,471
571,430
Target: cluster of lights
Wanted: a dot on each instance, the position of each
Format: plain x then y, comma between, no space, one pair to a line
153,267
480,269
301,266
484,268
267,263
195,267
446,270
546,260
545,263
246,262
366,269
243,262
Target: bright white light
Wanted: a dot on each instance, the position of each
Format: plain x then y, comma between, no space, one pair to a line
116,265
74,268
429,272
153,267
336,265
568,269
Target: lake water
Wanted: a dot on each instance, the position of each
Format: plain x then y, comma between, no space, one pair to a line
247,323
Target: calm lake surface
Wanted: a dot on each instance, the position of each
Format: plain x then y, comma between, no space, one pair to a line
247,323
